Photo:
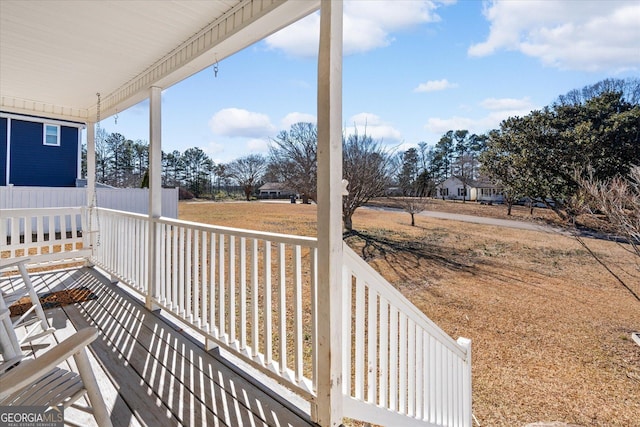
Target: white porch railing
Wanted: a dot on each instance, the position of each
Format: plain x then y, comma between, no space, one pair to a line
121,247
43,235
124,199
399,368
241,289
245,290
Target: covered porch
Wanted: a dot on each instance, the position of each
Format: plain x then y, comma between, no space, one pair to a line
253,296
307,313
151,370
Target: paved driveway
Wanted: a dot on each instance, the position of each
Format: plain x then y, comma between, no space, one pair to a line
522,225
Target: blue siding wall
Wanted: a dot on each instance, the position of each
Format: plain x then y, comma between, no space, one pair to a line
3,151
33,163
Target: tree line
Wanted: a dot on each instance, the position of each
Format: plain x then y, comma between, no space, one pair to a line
456,154
122,162
543,156
591,133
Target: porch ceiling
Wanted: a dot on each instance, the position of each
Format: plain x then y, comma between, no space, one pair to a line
56,55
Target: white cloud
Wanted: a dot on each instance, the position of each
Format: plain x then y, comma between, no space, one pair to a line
440,126
401,148
213,148
435,85
589,35
296,117
386,133
498,110
299,38
367,25
506,103
373,126
258,145
241,123
364,119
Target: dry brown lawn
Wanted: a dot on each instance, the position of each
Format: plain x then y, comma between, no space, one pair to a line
550,326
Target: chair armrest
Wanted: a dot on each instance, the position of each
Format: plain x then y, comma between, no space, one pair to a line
32,370
13,262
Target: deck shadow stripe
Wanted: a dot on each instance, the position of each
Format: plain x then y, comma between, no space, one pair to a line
120,302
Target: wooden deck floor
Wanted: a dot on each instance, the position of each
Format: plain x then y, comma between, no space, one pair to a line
151,372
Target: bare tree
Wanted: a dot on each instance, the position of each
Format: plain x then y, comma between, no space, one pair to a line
414,181
619,201
615,207
366,166
629,88
294,159
247,172
220,172
102,154
413,205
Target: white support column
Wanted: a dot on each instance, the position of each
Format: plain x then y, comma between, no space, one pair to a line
89,237
155,190
91,162
328,409
7,180
79,158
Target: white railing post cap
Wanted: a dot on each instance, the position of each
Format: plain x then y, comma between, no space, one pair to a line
464,342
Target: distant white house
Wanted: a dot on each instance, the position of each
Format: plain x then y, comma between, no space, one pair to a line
275,190
476,190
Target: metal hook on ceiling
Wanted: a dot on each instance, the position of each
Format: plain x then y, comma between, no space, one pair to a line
215,67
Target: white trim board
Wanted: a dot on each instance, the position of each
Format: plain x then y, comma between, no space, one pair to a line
36,119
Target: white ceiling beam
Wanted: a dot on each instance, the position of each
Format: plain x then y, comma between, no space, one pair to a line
36,108
222,38
246,22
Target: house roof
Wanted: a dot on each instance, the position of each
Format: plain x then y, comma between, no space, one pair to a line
274,186
481,183
56,55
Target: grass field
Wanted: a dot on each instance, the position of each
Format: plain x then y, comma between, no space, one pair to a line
550,326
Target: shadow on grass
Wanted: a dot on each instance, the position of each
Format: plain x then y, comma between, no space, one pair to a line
404,257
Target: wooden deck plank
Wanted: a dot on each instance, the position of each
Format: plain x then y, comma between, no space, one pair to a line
154,394
64,328
161,375
121,414
197,369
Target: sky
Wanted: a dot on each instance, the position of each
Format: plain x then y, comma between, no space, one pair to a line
412,70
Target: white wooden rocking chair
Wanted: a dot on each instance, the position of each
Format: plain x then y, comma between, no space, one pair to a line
40,382
9,345
37,326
